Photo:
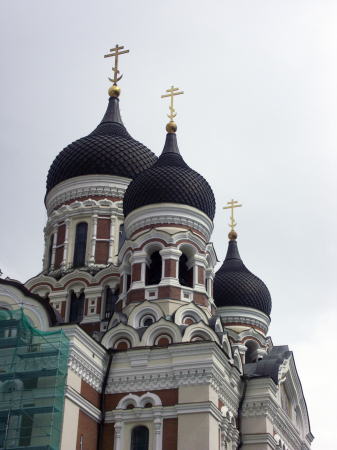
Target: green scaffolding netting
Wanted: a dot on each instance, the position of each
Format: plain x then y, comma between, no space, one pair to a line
33,371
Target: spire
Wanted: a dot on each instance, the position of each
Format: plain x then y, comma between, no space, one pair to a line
171,144
112,113
233,251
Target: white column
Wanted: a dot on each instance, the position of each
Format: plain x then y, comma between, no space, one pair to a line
143,259
158,430
66,242
56,228
209,280
93,239
45,256
166,255
196,261
118,433
111,238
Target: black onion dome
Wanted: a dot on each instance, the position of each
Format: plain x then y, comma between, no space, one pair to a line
234,285
170,180
108,150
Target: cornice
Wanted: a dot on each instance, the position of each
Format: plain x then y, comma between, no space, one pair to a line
243,315
86,186
88,408
169,213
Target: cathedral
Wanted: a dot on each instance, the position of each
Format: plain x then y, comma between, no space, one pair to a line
129,339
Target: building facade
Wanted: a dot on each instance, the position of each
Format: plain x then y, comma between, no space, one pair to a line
162,352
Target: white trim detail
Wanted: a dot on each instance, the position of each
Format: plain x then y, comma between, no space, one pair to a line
171,213
244,315
86,186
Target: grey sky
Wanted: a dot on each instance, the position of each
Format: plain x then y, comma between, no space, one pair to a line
258,121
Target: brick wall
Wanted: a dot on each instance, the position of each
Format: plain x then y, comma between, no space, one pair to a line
170,434
201,275
61,234
136,272
169,292
108,436
103,229
170,268
88,428
101,252
90,394
58,257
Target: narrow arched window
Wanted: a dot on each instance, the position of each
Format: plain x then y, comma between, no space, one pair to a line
80,244
155,270
183,271
111,299
140,438
50,253
122,236
76,307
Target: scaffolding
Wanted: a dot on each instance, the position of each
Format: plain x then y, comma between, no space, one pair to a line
33,371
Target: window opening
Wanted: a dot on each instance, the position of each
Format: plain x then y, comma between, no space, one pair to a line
76,308
155,269
50,254
122,236
111,299
183,270
148,322
80,244
140,438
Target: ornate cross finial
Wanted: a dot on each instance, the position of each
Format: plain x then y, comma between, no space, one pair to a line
114,91
171,127
232,234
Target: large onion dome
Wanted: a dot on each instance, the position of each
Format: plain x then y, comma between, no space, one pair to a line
108,150
170,180
234,285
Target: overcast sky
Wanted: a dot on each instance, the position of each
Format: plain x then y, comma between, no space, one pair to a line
257,120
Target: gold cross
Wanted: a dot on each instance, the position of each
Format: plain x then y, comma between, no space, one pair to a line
232,206
171,94
115,52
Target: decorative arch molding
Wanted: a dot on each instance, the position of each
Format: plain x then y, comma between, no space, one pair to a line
77,286
200,330
237,360
245,335
64,281
226,345
43,290
33,310
119,332
116,318
164,327
139,402
145,308
189,310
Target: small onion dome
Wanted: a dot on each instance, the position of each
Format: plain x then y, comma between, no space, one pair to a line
108,150
170,180
234,285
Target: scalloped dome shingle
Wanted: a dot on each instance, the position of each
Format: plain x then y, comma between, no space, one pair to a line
108,150
170,180
235,285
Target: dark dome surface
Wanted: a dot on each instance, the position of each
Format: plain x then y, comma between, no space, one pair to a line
234,285
170,180
108,150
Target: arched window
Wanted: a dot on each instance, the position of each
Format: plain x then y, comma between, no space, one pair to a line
50,253
122,236
111,299
148,322
183,271
80,244
155,269
76,308
140,438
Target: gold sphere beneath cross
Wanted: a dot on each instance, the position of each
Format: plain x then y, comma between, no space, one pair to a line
114,91
232,235
171,127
